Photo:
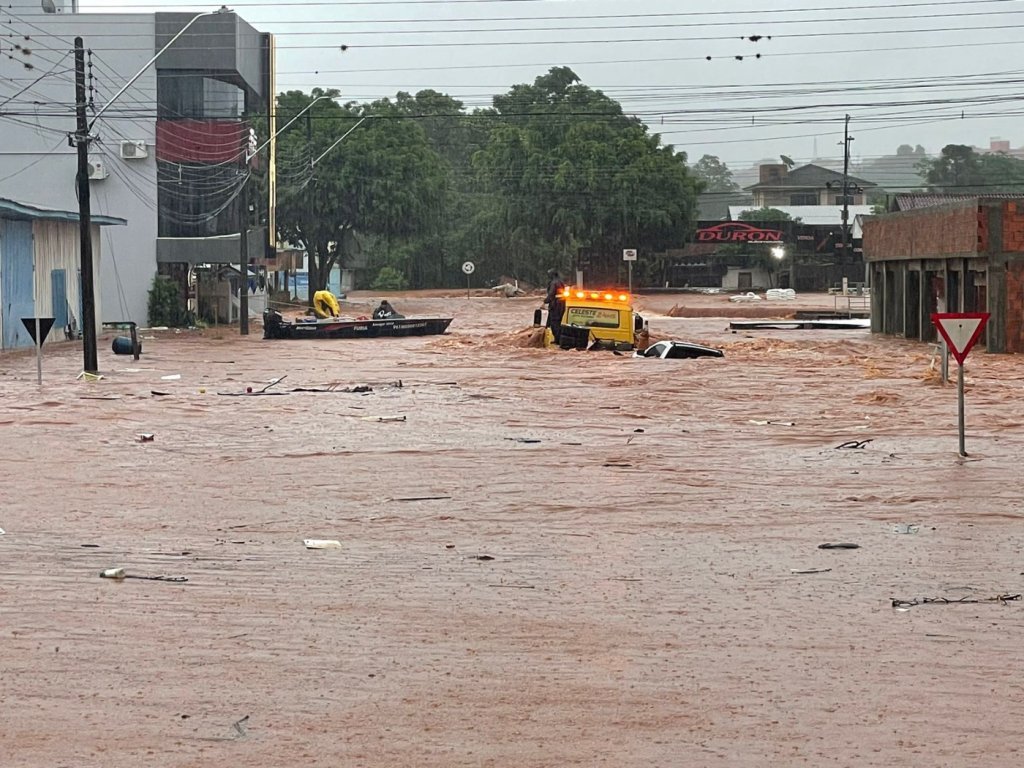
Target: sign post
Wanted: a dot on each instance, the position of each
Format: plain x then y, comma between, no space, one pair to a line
469,268
629,256
960,331
38,328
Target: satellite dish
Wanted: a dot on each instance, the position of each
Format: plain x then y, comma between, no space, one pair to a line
788,161
49,7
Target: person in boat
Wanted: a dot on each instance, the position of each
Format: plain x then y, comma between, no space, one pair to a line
386,312
325,305
555,303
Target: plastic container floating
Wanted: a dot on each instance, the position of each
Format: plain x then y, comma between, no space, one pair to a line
322,543
123,345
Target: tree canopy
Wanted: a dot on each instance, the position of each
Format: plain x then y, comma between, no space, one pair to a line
553,169
715,175
765,214
382,180
960,168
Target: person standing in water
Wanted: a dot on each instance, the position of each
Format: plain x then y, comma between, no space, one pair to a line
555,302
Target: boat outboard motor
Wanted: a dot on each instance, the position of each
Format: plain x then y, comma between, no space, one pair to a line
271,323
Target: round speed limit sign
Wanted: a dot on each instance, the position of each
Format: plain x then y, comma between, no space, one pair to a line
469,267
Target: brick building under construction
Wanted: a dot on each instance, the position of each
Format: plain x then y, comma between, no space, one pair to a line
965,256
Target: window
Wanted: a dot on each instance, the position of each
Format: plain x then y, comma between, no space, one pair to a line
587,317
844,199
197,97
804,198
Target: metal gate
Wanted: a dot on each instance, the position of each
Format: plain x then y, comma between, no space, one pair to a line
16,299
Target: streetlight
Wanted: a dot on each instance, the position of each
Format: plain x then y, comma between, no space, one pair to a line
243,224
250,155
341,139
81,139
779,254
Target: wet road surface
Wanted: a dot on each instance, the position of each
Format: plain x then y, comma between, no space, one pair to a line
555,559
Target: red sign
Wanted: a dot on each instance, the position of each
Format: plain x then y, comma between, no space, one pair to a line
960,330
738,232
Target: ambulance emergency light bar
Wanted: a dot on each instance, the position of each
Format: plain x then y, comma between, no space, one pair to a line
569,293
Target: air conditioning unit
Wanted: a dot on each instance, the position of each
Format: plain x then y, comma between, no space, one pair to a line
134,150
97,170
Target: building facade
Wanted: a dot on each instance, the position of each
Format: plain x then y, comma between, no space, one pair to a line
170,155
965,256
40,270
807,185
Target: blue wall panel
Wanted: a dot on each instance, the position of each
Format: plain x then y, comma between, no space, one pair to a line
16,299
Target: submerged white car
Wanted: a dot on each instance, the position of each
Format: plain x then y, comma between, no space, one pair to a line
678,350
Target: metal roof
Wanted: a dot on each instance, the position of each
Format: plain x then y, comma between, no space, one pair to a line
807,177
810,215
912,201
9,209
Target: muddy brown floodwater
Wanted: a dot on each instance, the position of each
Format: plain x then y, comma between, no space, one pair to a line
555,559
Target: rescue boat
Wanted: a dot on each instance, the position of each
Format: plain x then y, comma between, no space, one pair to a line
277,327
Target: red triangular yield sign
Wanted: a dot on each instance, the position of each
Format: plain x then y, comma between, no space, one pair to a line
960,330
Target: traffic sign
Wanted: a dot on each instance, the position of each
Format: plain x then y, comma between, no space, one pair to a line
629,254
44,325
469,267
38,328
961,330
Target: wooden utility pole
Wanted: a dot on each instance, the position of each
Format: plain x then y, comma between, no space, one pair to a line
81,141
846,187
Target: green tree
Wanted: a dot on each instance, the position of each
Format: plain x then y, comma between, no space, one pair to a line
383,179
958,167
961,169
433,254
715,174
766,214
568,170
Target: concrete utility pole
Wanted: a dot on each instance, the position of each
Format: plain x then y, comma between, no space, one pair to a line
243,257
81,142
847,138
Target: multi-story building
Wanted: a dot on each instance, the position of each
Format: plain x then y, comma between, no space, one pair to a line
780,187
171,155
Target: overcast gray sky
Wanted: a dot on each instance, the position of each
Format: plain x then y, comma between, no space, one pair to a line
824,58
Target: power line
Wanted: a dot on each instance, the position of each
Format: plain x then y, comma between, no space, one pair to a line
380,3
347,30
600,41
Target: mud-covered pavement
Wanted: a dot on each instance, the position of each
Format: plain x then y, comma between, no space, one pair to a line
556,559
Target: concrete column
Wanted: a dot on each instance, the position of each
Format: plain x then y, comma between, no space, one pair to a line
996,329
995,332
878,298
924,305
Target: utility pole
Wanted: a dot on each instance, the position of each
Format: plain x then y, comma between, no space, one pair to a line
81,141
243,257
846,187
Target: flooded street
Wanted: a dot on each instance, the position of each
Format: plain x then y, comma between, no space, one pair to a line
547,558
